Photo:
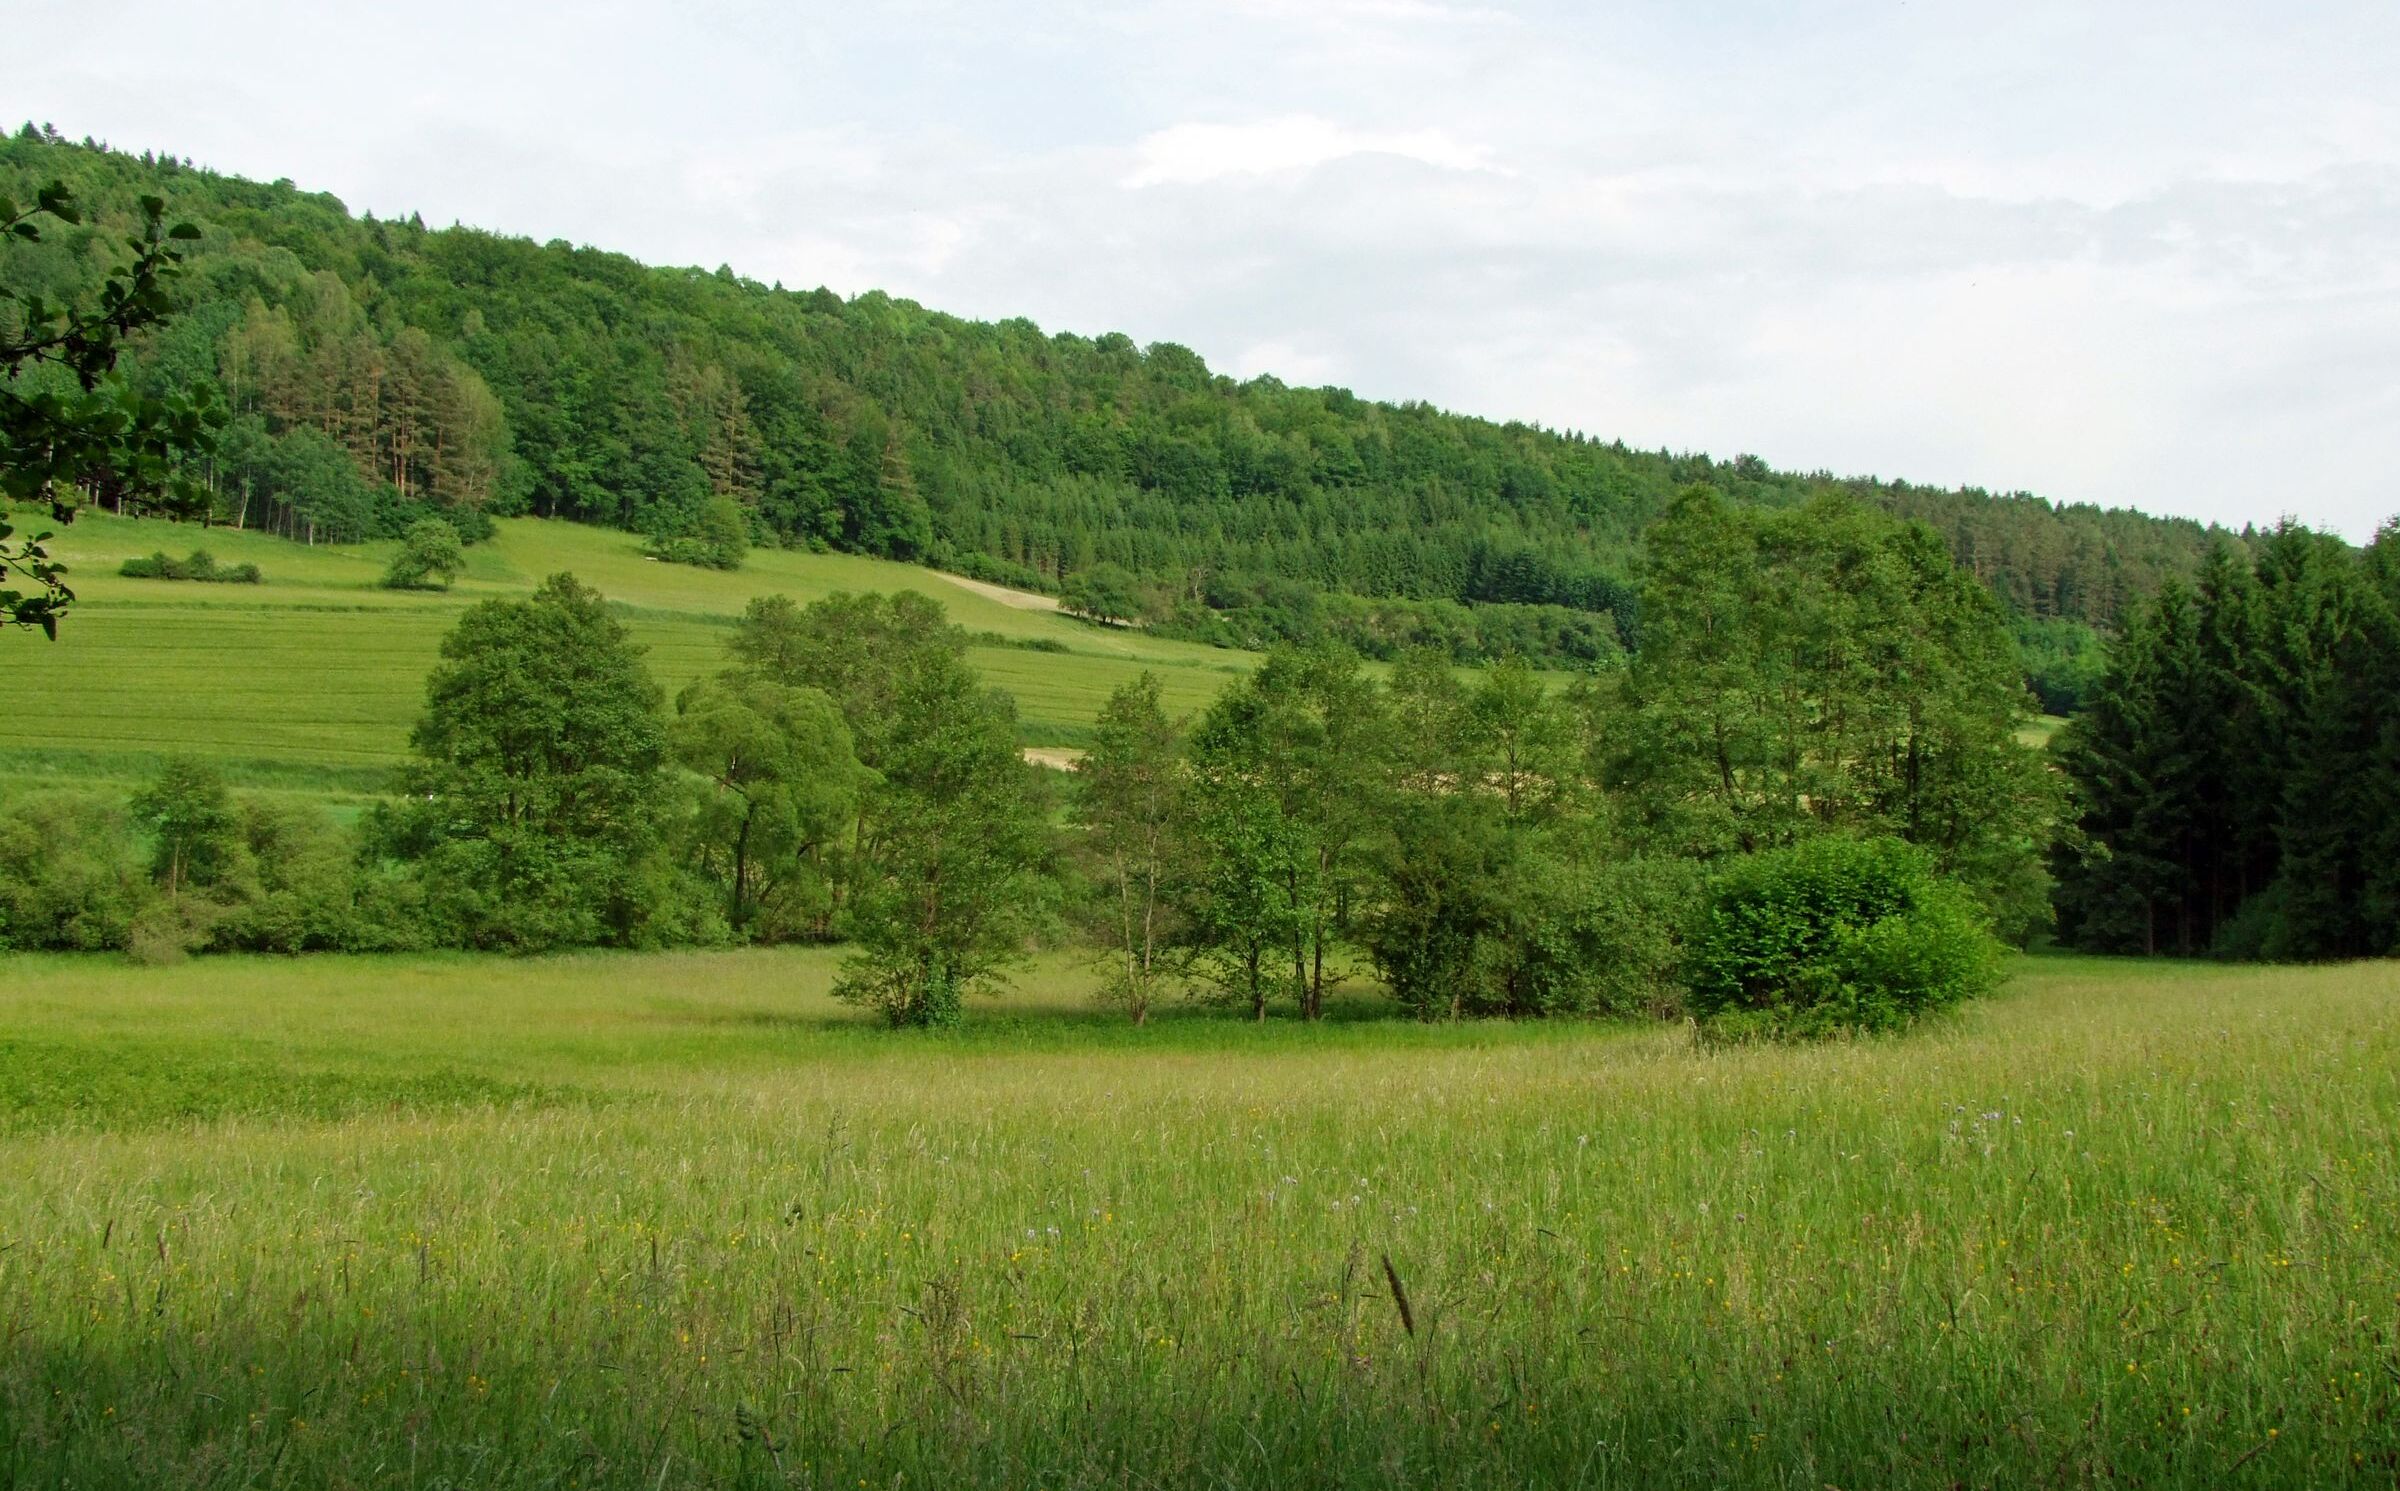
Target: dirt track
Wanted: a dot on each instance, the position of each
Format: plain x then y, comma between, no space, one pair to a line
1023,600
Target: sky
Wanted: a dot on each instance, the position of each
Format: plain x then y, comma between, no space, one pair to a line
2131,254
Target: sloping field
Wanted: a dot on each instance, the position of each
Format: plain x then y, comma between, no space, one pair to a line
313,678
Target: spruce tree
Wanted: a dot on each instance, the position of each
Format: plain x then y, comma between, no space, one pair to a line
2124,881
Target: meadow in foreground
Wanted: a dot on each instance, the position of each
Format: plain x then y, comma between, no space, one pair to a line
679,1220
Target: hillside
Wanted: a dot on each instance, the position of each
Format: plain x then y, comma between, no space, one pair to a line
379,369
311,679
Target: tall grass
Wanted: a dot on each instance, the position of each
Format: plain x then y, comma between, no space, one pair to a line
681,1221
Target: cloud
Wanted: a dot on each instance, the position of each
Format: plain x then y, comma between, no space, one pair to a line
1186,154
1970,242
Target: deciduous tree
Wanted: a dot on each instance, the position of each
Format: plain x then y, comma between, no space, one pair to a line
537,795
1130,799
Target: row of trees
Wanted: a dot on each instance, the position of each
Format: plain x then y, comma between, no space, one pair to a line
379,370
1498,847
2238,769
1488,845
845,775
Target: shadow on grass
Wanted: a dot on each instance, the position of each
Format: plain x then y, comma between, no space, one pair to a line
1000,1027
50,1086
448,1398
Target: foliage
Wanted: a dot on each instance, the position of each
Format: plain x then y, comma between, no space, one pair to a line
947,854
1502,886
431,557
300,887
1829,670
199,565
2237,774
775,793
70,875
2064,661
1483,843
69,426
223,873
717,538
534,800
1105,593
1288,769
1291,613
1832,935
1131,801
188,816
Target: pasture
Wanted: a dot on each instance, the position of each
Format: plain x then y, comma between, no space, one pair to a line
680,1220
310,681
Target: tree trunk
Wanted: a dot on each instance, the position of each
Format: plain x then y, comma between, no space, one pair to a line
741,870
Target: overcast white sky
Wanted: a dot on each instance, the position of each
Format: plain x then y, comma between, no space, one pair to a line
2125,253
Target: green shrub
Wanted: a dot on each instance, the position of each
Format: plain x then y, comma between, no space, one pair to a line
1628,926
431,556
1105,593
996,571
2254,933
1466,930
71,875
1834,935
717,537
296,887
198,565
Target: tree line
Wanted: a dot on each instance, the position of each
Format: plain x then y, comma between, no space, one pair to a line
2237,772
1479,845
379,372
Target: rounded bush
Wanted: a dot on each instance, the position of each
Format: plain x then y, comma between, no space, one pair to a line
1834,935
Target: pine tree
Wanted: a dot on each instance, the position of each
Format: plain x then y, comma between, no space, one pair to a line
2337,798
2125,884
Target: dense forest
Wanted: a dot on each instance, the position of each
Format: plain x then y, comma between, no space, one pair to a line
2238,769
381,370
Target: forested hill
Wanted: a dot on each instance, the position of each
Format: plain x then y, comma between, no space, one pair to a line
376,368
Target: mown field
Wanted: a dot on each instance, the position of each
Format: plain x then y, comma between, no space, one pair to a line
309,682
647,1221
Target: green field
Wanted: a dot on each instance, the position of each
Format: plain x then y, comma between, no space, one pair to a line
649,1221
311,680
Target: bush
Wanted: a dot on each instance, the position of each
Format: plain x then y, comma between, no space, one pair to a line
431,556
1105,593
718,537
71,875
170,929
1831,936
1626,937
297,885
994,571
1465,929
198,565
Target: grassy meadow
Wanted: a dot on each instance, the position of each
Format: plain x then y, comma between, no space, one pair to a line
680,1220
310,681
